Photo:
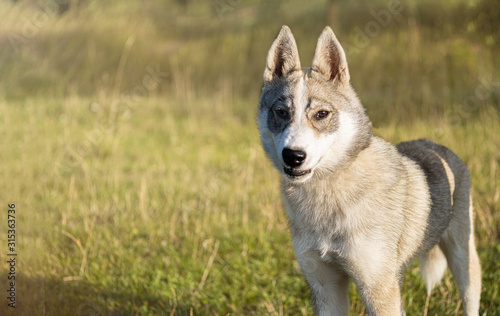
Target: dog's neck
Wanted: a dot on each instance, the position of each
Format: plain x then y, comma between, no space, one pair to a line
350,179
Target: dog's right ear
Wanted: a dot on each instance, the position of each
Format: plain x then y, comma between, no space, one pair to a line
283,56
329,58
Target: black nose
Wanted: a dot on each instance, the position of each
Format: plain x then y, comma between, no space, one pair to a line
293,158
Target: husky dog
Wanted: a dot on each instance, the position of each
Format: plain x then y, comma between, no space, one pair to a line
358,207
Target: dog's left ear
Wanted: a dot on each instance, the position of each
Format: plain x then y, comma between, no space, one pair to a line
283,57
329,58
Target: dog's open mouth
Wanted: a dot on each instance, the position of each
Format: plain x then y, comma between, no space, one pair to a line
294,173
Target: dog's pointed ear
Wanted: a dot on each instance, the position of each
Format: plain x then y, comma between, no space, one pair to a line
329,58
283,56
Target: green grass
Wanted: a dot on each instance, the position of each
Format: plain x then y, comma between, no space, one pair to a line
160,200
172,210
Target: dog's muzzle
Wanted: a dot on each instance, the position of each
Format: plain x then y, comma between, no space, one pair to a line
294,159
296,173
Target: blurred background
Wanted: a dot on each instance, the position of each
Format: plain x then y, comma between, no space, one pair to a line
412,50
129,144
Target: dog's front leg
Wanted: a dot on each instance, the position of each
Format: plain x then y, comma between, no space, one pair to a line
329,284
382,297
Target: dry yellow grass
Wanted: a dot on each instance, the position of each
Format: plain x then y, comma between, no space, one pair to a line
136,169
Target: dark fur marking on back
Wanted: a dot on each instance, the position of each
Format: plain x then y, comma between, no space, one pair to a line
425,154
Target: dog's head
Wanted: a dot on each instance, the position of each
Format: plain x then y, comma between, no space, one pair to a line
310,119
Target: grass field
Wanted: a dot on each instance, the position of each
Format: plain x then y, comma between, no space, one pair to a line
135,167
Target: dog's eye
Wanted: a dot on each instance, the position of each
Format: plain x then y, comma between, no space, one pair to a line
321,115
281,112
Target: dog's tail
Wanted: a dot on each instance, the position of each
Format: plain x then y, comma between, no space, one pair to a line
432,267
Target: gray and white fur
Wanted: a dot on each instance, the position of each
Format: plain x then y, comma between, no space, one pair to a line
360,208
